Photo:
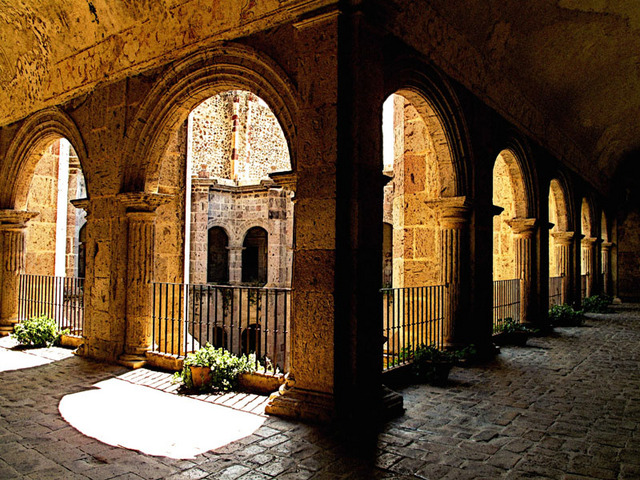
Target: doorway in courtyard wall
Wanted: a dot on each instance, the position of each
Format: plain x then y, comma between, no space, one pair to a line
416,157
53,280
559,241
510,207
237,236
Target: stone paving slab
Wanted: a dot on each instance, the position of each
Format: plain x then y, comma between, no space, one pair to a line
566,406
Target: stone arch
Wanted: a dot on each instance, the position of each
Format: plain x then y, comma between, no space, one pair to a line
217,255
559,206
587,218
255,258
27,147
521,166
189,82
510,194
604,227
437,104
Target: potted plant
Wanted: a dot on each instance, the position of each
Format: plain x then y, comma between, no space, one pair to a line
38,332
597,304
565,316
432,365
211,368
513,333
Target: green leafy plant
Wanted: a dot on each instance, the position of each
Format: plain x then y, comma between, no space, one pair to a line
431,364
597,304
566,316
38,332
225,368
466,355
509,325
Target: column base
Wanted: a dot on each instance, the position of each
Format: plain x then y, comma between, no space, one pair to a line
302,404
6,330
132,361
392,404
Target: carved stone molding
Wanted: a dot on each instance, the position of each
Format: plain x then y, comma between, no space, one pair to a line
525,227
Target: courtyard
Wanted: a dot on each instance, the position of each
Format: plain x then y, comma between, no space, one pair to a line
566,406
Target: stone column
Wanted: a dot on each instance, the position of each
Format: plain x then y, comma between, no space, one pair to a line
141,215
564,256
12,231
454,250
589,246
606,267
235,264
524,230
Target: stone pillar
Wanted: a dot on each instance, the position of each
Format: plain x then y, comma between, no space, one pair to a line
524,230
13,224
141,215
454,250
235,264
606,267
564,256
310,391
589,246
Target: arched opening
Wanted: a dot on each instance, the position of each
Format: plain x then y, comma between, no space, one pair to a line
418,163
559,245
217,256
55,260
509,198
254,256
587,256
605,260
235,165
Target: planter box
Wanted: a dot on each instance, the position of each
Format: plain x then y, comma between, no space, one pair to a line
260,383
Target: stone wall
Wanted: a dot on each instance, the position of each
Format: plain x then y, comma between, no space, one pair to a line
236,210
416,256
235,136
504,266
40,256
236,142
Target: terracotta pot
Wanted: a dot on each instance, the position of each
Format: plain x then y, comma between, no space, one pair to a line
200,376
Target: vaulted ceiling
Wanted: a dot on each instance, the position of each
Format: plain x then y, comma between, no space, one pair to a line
573,63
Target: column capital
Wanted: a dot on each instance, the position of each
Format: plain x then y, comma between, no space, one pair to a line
454,211
81,203
563,238
607,245
143,202
524,227
588,241
15,218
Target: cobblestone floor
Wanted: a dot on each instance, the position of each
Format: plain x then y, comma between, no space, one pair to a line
566,406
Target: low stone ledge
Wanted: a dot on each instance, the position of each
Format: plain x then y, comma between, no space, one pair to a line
72,341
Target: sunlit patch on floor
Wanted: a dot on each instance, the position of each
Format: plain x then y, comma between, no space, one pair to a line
155,423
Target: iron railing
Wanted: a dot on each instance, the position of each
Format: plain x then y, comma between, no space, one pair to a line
240,319
506,302
60,298
413,316
555,291
584,280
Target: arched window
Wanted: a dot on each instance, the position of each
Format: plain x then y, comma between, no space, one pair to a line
254,256
217,256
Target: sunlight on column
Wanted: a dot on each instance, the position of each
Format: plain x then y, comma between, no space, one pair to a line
155,423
